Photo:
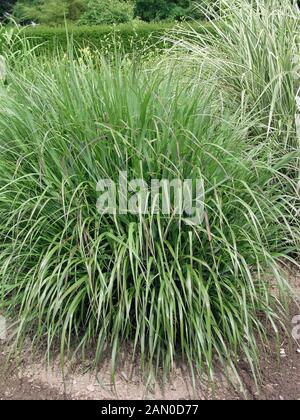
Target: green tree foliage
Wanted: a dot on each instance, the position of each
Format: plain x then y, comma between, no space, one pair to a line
49,11
6,6
97,12
107,12
166,9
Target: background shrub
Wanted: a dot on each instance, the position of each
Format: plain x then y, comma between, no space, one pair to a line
149,10
107,12
128,38
51,12
95,12
6,6
105,38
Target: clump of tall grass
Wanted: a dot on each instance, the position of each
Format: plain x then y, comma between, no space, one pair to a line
201,292
253,51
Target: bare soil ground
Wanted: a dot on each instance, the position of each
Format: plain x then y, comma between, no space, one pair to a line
32,379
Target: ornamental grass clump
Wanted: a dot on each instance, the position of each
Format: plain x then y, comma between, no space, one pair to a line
170,287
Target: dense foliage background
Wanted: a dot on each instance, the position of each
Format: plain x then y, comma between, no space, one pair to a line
95,12
165,9
6,6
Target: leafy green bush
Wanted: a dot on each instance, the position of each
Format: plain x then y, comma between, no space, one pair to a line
129,37
150,10
51,12
107,12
